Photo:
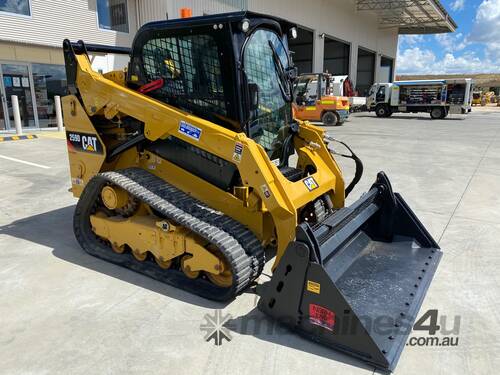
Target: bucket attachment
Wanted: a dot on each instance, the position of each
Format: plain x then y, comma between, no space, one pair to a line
356,281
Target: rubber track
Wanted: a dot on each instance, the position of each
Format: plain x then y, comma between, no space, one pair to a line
238,244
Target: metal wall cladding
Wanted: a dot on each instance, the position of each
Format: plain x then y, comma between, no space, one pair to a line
53,20
336,18
155,10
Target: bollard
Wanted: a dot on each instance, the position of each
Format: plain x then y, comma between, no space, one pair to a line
17,115
59,117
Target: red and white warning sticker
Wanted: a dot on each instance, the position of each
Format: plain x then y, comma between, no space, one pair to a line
321,316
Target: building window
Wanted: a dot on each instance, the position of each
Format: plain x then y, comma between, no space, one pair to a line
21,7
49,80
112,15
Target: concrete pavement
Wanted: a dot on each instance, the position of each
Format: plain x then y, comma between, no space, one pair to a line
63,311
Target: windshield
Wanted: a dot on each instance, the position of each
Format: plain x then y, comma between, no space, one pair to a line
265,61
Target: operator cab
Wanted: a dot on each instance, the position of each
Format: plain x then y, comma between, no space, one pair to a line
311,87
233,69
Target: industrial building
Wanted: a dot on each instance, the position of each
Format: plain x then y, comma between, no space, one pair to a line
354,37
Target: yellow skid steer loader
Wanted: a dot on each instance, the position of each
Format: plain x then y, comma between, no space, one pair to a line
189,168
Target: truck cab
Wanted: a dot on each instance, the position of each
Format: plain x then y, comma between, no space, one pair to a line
378,99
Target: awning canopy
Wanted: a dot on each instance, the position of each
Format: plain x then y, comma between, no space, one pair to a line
410,16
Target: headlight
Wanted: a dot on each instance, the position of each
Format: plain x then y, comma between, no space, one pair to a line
293,33
245,25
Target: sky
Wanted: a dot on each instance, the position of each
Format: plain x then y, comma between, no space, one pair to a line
473,48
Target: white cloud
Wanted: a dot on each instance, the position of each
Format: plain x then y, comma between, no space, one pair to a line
458,56
451,42
486,29
458,5
467,63
415,60
424,61
487,21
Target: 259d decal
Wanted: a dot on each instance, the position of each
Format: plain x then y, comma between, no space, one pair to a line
84,142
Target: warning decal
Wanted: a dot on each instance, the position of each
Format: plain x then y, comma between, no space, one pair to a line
313,286
238,151
320,316
310,183
265,191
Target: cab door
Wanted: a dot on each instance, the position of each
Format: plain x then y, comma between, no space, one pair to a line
381,95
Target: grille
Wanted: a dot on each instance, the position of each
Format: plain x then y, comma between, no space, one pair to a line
191,69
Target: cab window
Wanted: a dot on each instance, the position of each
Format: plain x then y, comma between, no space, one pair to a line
381,94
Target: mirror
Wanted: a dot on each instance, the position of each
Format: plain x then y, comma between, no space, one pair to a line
253,95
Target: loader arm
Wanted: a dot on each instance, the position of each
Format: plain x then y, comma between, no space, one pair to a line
281,198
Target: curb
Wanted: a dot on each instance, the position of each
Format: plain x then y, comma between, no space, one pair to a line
17,137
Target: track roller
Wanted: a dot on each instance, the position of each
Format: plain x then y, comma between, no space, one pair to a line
186,269
119,249
141,257
163,263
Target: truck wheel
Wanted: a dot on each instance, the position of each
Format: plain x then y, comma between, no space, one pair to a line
437,113
329,118
382,111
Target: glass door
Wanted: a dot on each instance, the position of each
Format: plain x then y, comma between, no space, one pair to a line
4,120
16,81
3,102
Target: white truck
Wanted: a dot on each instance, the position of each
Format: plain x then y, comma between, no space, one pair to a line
437,97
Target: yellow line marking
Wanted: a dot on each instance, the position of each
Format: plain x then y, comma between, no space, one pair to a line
24,162
17,137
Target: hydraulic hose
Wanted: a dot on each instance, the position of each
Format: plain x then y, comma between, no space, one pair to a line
357,161
285,151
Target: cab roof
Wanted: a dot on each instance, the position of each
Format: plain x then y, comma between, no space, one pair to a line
213,19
